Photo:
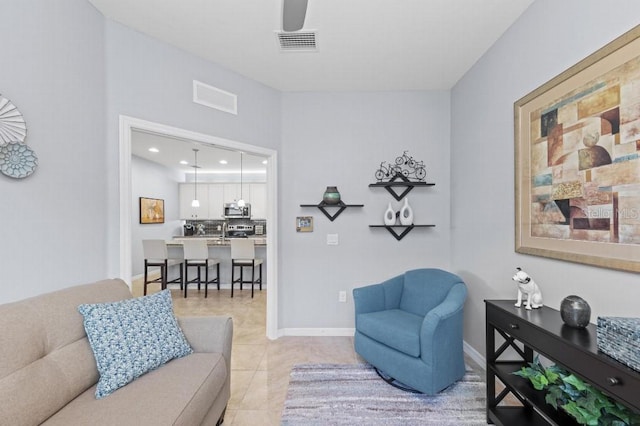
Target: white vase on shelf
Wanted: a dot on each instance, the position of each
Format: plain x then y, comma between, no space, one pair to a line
406,213
389,216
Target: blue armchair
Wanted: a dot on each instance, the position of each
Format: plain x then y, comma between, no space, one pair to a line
410,328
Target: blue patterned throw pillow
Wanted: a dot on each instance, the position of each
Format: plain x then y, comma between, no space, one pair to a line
132,337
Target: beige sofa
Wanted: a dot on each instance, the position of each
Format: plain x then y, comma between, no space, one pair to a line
48,372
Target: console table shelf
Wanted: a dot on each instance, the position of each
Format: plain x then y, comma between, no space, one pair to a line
339,205
406,230
543,331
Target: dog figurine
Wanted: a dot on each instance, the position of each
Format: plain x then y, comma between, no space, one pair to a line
526,285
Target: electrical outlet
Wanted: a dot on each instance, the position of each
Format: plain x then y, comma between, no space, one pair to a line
342,296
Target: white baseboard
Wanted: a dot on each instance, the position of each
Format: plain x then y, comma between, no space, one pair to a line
326,332
474,355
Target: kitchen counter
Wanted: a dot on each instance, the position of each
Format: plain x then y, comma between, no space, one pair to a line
260,240
220,249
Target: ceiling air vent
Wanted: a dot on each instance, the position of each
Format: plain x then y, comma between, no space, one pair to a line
297,41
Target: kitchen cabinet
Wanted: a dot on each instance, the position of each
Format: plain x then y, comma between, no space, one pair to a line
216,200
232,192
187,192
258,200
213,196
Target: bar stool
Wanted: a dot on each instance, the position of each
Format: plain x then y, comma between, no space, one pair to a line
156,256
243,255
196,254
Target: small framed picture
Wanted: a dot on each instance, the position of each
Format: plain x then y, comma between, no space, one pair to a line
304,224
151,210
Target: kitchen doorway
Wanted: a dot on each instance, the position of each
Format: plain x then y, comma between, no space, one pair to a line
129,125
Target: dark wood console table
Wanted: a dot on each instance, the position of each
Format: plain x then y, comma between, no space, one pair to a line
543,331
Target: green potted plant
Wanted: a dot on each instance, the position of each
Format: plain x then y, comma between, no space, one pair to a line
586,404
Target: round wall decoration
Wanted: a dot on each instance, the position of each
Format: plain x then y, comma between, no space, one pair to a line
12,125
17,160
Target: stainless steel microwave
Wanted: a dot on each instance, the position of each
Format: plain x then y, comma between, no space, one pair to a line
232,210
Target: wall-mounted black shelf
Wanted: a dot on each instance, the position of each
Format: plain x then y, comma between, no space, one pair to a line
403,182
405,231
323,208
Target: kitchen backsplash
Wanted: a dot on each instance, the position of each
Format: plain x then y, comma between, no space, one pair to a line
211,226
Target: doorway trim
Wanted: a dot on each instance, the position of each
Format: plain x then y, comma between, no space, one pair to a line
127,126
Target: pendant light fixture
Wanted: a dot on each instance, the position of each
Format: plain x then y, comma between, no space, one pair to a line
195,202
241,202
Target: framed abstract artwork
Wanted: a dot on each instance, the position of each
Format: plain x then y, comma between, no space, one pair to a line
577,161
151,210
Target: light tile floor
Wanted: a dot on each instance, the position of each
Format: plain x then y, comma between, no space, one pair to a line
260,367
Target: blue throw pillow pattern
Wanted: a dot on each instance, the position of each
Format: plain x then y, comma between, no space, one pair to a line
132,337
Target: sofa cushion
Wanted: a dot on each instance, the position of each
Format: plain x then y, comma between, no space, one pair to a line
178,393
44,347
132,337
395,328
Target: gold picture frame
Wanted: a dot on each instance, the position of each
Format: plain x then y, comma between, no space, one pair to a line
151,210
577,161
304,224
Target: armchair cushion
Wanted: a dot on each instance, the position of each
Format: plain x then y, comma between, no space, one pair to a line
395,328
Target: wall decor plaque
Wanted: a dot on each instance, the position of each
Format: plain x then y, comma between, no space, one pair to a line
304,224
577,161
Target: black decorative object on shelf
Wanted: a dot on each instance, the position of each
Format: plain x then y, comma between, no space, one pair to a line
575,311
404,165
405,231
323,208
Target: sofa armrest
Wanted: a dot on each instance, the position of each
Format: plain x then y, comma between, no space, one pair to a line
209,334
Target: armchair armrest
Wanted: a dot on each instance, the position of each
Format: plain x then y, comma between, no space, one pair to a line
209,334
442,326
378,297
368,299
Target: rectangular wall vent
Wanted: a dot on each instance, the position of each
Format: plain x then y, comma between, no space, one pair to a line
299,40
213,97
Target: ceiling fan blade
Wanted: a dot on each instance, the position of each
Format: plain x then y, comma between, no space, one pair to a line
293,14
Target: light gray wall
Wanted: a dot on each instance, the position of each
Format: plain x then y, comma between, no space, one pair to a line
339,139
151,180
52,224
151,80
550,37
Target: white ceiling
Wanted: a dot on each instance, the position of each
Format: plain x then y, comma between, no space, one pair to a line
173,150
362,44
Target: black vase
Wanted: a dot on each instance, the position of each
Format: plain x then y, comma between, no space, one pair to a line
575,311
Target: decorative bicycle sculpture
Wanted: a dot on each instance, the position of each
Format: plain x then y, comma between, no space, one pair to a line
404,167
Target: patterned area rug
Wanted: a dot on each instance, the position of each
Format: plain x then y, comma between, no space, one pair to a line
353,394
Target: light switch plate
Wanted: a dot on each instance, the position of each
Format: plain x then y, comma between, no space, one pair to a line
332,239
